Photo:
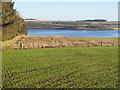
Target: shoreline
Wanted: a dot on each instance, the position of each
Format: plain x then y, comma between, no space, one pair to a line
72,29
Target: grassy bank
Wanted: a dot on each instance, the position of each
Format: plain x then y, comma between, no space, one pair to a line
83,38
96,38
86,67
30,42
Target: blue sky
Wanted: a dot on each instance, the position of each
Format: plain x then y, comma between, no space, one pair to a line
68,10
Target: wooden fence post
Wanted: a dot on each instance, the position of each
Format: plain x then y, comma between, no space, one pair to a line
113,42
101,43
21,45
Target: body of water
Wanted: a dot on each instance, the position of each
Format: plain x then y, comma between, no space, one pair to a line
74,33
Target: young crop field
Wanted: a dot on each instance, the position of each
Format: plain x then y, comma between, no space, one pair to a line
86,67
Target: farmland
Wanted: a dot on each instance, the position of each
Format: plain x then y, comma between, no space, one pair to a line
72,25
76,67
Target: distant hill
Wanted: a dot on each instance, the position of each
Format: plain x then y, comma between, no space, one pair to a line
72,25
30,19
95,20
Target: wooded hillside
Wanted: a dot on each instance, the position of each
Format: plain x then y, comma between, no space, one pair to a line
71,25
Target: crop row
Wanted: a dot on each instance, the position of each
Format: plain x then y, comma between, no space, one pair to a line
25,78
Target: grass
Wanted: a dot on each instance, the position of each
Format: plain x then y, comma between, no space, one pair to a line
85,38
96,38
86,67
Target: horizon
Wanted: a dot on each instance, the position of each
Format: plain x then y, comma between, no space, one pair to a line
68,11
64,20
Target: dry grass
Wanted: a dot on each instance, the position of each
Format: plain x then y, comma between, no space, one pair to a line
30,42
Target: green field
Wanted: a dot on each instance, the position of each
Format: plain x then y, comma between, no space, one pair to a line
86,67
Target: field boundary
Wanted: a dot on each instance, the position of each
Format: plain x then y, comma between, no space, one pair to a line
34,42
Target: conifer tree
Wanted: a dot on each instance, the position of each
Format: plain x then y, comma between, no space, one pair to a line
12,24
0,22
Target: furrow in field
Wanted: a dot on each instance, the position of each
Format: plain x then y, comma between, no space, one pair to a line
49,82
90,81
25,78
81,75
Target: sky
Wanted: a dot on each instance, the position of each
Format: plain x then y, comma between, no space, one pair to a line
64,0
68,11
